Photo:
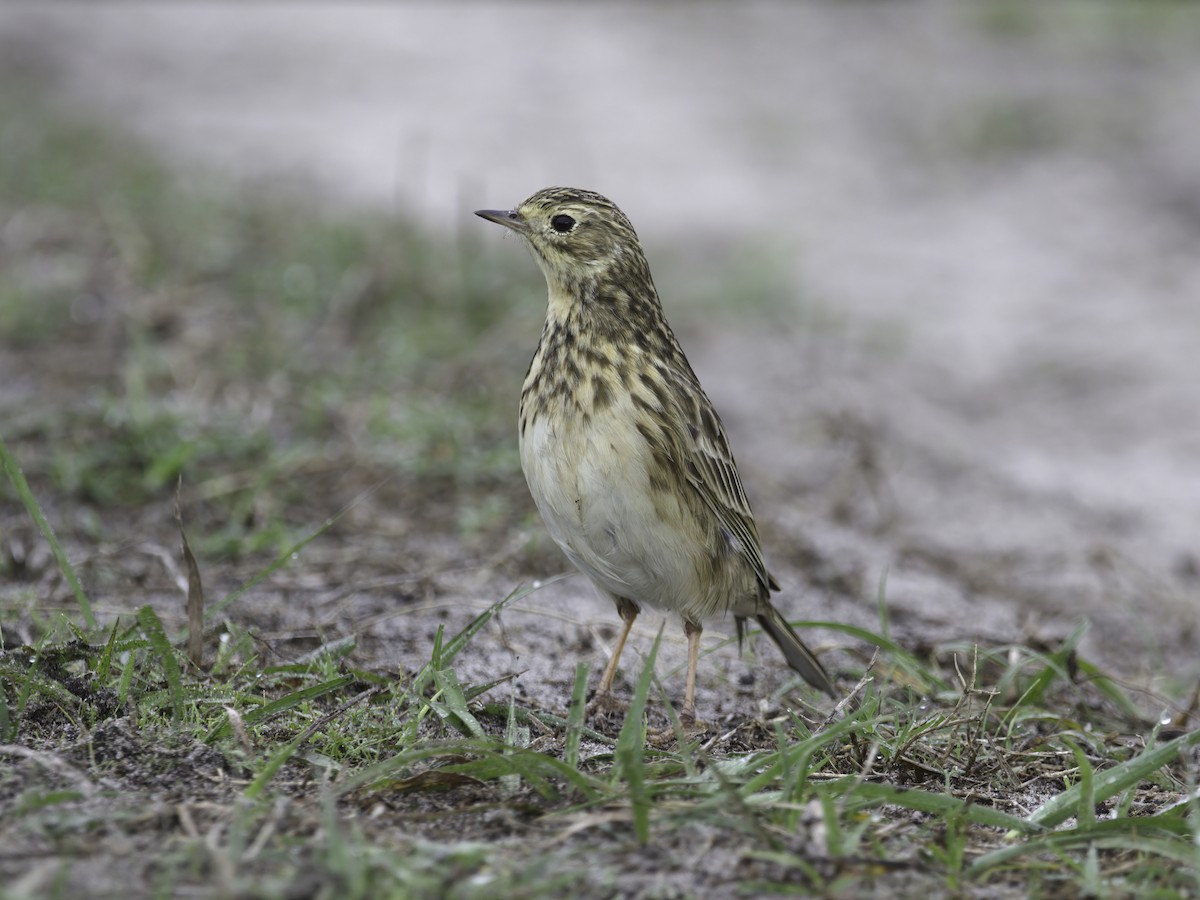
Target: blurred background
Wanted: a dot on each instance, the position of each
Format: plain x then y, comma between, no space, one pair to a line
936,263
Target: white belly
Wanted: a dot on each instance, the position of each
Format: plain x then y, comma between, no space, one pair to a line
590,484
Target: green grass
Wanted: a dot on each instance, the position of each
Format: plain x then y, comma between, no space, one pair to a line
941,785
334,393
243,340
944,788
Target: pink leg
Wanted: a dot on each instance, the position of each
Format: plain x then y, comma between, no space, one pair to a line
692,630
628,612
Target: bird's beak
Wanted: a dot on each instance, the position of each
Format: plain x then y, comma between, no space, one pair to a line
509,218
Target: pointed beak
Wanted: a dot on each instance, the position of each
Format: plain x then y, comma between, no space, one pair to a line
509,218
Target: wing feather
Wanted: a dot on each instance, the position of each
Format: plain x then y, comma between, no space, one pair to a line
702,449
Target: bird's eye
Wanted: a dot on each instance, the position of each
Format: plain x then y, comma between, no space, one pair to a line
562,223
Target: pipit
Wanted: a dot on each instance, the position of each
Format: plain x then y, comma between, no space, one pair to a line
625,456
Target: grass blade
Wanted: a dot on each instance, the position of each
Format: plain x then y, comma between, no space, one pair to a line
793,761
1110,689
1129,835
493,760
283,559
909,664
17,479
104,667
575,716
943,805
29,681
553,721
1085,814
282,704
453,705
273,765
1055,668
195,590
630,753
1112,781
275,762
442,656
152,627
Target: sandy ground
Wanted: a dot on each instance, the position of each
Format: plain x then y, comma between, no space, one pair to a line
984,381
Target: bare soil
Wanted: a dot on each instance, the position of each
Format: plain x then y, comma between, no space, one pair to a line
976,390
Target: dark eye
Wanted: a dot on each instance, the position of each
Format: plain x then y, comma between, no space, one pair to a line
562,223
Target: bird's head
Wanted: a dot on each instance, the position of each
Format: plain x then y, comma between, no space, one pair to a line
575,235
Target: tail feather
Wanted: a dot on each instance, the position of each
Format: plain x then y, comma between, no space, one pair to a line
794,650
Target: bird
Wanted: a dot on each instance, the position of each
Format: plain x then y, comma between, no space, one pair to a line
626,459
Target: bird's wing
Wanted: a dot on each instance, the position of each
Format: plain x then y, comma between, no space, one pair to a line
707,462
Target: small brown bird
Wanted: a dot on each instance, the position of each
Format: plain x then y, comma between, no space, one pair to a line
624,454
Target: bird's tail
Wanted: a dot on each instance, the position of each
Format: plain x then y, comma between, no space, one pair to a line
795,651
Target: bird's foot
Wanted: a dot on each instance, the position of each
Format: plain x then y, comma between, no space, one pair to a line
690,727
604,704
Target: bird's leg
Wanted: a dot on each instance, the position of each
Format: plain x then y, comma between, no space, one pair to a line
628,611
692,630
